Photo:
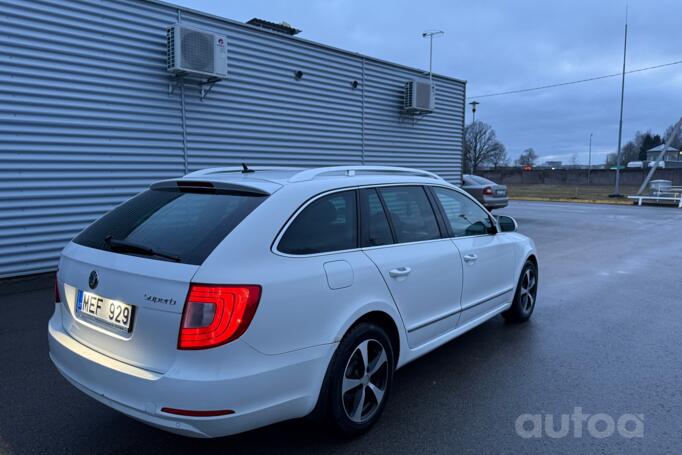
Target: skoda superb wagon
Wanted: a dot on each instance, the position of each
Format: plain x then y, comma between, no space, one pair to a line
231,299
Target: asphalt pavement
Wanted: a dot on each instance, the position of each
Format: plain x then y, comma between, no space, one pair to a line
605,341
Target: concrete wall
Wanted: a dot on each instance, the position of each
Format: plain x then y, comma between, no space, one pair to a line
578,176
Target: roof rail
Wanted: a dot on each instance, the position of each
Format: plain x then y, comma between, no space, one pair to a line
350,171
228,169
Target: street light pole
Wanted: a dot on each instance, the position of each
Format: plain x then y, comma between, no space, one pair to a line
473,110
589,160
622,96
473,104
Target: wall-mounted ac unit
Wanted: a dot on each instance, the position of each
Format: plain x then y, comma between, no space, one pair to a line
196,52
419,97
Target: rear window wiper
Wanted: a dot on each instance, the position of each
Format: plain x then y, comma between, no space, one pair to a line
132,247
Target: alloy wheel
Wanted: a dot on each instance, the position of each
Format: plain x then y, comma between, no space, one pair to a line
364,381
528,290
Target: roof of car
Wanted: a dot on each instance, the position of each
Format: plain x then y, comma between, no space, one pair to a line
270,179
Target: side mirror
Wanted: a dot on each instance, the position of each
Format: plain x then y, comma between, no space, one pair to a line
507,223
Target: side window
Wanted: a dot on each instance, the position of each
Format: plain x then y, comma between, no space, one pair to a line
411,213
327,224
377,230
465,216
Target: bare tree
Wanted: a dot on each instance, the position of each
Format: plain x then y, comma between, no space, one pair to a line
527,157
629,152
499,157
480,146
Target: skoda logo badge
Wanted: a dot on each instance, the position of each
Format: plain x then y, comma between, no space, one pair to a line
93,281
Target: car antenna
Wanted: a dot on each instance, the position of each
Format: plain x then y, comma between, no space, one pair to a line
246,170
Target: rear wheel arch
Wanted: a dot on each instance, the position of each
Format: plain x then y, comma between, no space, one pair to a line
378,318
532,258
386,322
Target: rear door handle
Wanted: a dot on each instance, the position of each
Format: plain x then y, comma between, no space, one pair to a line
470,257
400,271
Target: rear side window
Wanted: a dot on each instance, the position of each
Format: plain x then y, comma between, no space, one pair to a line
464,215
377,230
327,224
410,213
185,225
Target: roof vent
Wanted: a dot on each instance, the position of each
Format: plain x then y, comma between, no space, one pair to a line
282,27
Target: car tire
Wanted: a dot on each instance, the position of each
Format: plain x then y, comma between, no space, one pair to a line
358,380
526,295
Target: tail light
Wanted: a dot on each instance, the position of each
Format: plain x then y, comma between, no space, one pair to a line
488,191
57,297
215,315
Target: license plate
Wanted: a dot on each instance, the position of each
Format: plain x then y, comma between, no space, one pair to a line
500,193
110,313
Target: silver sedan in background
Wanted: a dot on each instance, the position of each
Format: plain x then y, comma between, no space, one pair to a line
487,192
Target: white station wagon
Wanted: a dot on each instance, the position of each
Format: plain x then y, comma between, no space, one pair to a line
233,298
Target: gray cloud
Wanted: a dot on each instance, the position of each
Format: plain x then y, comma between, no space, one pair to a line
506,45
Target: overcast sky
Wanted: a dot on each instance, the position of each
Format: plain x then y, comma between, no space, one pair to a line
506,45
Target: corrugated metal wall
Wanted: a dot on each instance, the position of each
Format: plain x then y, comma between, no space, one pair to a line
86,118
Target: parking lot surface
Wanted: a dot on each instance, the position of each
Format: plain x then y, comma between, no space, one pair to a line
606,337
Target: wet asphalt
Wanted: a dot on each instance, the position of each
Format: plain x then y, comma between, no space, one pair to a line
605,339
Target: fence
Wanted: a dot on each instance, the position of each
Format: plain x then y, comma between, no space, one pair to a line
628,177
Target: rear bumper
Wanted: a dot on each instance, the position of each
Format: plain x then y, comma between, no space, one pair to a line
495,202
261,389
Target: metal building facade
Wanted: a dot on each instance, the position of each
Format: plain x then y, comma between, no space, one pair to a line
89,116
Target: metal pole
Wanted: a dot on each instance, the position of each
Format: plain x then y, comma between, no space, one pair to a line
589,161
431,34
430,57
622,96
473,104
183,120
183,117
362,156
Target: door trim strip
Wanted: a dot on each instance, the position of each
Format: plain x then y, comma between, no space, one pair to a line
487,299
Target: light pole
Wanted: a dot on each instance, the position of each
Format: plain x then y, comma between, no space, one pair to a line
473,110
473,104
589,160
430,34
622,96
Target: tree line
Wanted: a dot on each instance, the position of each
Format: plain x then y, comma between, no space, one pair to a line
482,148
636,148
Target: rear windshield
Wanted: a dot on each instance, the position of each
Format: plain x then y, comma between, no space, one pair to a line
480,180
179,225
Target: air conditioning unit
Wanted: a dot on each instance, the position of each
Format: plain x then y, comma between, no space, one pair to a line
196,52
419,97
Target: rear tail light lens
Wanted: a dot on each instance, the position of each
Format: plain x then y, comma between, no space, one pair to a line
488,191
215,315
57,297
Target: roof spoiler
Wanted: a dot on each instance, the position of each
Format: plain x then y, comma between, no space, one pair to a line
200,185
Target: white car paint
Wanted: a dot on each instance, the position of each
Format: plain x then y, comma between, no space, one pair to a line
275,370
